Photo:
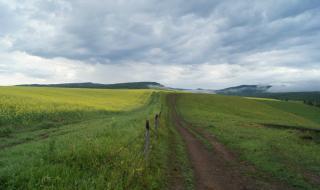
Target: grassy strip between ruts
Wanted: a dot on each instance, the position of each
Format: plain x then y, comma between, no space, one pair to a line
180,172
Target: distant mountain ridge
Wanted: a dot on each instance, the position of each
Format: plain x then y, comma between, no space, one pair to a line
262,91
129,85
237,90
244,90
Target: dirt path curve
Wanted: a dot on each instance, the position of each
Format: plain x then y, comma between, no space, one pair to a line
211,168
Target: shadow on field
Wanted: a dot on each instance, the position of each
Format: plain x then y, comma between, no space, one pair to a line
307,134
303,129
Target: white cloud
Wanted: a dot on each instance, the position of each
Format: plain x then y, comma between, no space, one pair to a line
21,67
33,69
208,44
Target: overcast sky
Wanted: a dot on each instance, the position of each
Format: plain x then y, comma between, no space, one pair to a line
179,43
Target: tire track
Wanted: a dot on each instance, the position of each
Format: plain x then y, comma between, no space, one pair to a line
215,169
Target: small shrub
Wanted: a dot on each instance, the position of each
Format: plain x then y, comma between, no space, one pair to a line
5,131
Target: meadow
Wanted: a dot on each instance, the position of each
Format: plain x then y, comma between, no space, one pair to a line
264,133
61,138
23,105
79,139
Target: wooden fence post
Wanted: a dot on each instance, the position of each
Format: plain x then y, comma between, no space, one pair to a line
156,124
147,139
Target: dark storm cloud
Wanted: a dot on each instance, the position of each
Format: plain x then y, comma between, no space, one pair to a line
116,31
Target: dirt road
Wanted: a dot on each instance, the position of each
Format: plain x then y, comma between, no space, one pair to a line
213,169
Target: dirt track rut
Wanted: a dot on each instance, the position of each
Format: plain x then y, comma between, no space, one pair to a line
215,169
210,169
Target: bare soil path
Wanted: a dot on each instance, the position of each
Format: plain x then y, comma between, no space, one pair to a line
213,169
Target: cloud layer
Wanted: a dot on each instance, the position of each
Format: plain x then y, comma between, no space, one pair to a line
196,43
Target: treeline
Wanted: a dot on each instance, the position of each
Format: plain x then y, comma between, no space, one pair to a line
312,103
129,85
309,98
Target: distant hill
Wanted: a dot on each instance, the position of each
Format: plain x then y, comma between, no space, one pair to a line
244,90
130,85
310,98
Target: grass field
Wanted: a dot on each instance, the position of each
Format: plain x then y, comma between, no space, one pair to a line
87,139
59,138
282,153
23,105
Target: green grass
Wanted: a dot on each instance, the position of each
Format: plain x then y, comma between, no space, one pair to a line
276,153
26,107
266,99
98,145
58,138
297,108
179,163
111,100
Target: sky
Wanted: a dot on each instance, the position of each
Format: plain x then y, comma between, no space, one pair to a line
179,43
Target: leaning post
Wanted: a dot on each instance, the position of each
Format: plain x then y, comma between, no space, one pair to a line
147,139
